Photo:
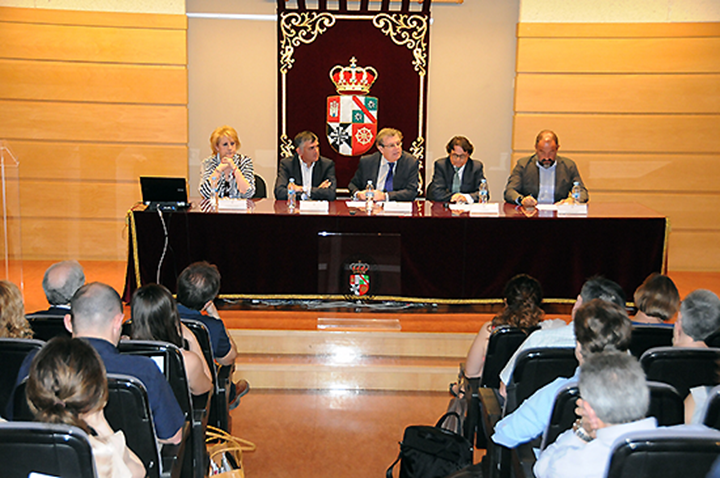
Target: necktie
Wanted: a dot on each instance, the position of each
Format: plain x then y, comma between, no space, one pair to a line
389,178
456,181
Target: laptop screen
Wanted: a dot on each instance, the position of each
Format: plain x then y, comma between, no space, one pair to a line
163,190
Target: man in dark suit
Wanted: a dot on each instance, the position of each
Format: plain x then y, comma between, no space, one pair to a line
393,172
529,184
60,283
444,187
314,175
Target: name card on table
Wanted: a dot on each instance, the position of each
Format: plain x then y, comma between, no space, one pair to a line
487,209
228,204
572,210
398,207
355,204
314,206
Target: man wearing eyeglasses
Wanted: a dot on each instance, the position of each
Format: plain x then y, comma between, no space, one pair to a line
457,177
393,172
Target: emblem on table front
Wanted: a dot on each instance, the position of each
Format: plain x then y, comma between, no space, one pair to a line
359,279
352,115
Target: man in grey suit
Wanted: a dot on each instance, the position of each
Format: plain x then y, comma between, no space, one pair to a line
393,172
444,186
544,177
314,175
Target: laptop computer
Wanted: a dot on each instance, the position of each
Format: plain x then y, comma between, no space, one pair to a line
165,194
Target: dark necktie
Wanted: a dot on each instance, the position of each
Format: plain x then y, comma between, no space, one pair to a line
456,181
389,178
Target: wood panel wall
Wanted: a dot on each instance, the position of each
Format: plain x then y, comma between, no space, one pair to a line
637,106
89,102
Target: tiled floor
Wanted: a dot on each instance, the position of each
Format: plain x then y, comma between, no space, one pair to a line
306,434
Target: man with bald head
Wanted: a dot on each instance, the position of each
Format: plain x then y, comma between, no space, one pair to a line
97,317
544,177
60,283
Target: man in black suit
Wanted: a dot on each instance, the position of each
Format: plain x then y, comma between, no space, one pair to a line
393,172
60,283
314,175
444,187
544,177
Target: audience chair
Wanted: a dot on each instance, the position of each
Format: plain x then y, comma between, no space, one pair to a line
219,406
128,410
645,337
44,448
665,405
46,327
669,452
260,188
681,367
172,364
503,343
12,354
713,340
712,409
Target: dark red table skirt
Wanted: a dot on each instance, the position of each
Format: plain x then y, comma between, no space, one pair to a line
446,257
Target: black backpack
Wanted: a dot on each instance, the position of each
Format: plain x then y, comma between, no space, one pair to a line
432,452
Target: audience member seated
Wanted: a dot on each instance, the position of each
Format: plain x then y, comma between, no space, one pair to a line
522,296
60,282
97,316
698,318
600,326
197,287
13,324
595,288
657,301
615,399
155,317
67,384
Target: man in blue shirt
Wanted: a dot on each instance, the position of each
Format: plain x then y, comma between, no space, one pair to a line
97,316
600,326
197,287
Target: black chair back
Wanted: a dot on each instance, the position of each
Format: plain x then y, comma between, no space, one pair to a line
50,449
713,340
503,343
665,405
260,188
664,452
12,355
534,369
646,337
681,367
46,326
712,409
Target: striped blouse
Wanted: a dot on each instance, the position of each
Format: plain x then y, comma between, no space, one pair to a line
227,187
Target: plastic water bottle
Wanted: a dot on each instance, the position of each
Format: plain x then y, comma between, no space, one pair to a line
483,191
369,197
291,200
215,196
576,193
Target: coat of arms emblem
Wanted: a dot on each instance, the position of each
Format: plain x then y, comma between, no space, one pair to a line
352,115
359,279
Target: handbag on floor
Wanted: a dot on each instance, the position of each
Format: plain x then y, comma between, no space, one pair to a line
226,452
432,452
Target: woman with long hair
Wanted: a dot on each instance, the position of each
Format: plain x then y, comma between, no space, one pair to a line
13,323
67,384
155,317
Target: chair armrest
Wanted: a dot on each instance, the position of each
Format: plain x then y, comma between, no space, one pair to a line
491,411
172,455
523,459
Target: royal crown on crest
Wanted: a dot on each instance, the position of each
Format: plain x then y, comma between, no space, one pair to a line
359,267
353,79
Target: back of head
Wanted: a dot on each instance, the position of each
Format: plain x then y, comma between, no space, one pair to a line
155,316
523,296
198,284
12,312
613,383
67,378
700,314
602,326
602,288
93,308
61,281
657,297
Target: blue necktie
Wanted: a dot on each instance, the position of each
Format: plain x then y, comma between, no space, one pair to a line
389,178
